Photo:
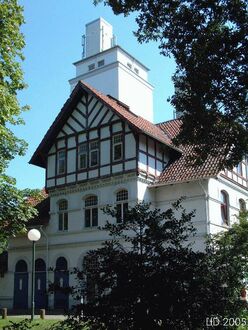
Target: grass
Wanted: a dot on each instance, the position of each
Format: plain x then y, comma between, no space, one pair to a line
42,324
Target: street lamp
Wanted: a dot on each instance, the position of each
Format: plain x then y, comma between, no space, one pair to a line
33,236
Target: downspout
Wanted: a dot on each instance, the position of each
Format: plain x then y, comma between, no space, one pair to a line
47,257
207,206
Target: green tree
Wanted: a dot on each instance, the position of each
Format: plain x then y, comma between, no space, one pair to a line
208,40
14,209
147,276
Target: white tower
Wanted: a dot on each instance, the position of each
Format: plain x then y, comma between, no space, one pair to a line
112,70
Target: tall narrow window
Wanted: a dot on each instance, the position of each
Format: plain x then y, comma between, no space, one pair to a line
121,205
82,156
94,153
224,207
61,162
63,215
239,168
117,147
242,205
90,265
91,211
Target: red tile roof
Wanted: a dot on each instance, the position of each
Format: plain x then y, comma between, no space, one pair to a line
181,170
138,123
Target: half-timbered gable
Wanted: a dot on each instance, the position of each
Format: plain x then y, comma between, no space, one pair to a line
90,145
95,136
153,157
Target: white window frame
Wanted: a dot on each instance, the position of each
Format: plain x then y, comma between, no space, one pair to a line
83,152
117,141
61,159
63,221
122,202
94,147
91,205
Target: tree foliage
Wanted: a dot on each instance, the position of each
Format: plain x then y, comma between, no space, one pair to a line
147,276
208,40
14,209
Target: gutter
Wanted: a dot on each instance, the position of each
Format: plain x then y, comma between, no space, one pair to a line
170,183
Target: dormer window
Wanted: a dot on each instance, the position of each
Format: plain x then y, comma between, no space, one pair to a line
82,156
117,147
94,153
91,67
61,162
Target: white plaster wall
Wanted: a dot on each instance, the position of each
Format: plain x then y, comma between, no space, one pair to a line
136,93
124,58
130,146
195,199
72,244
51,166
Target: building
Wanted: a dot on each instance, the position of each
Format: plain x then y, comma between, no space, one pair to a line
100,150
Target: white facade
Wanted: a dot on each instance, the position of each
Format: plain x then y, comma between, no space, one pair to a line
79,155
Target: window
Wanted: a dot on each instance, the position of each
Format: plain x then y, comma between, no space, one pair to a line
94,153
91,67
224,207
242,205
121,205
82,156
63,215
239,169
129,65
91,211
90,265
61,162
136,70
100,63
117,147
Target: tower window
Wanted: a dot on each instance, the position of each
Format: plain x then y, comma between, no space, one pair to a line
63,215
91,211
82,156
61,162
91,66
121,205
117,147
100,63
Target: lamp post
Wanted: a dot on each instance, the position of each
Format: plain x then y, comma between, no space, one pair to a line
33,236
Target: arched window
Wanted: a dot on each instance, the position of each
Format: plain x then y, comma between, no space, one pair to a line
63,215
61,264
121,205
242,205
21,266
224,207
91,211
40,265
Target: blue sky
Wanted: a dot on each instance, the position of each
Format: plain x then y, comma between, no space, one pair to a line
53,33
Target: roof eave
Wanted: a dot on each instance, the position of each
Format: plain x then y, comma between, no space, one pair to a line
156,185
